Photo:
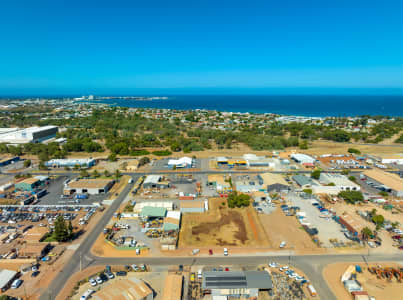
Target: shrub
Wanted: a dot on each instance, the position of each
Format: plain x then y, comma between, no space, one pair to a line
351,196
162,152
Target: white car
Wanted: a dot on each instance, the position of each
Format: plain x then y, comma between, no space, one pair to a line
87,294
16,284
272,265
99,280
92,281
225,252
283,243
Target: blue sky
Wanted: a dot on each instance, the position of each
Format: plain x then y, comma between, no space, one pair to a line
204,46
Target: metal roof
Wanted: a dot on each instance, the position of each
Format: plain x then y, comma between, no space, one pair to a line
303,180
152,179
149,211
237,279
6,276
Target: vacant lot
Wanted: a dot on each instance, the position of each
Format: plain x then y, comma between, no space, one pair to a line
280,228
378,288
222,226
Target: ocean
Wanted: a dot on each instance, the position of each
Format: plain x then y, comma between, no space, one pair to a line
304,105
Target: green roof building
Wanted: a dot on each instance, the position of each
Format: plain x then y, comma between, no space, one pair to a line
153,212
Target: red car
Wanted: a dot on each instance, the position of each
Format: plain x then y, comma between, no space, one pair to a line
210,251
226,269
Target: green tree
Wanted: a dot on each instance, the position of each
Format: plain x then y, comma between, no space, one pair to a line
383,193
351,196
144,160
366,233
106,173
315,174
84,173
303,145
42,166
354,151
378,220
95,174
27,163
112,157
117,174
344,172
352,178
307,191
61,232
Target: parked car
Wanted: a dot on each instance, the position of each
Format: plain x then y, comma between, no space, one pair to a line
121,273
34,274
99,280
92,281
283,243
16,284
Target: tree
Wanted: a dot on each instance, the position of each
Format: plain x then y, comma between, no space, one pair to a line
307,191
238,200
70,229
117,174
366,233
303,145
354,151
378,220
27,163
143,161
352,178
112,157
84,173
315,174
344,172
42,166
383,193
106,173
95,174
61,233
351,196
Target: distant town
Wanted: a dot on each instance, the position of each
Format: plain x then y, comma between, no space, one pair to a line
104,202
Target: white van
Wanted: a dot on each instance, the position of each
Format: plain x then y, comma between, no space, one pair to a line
87,294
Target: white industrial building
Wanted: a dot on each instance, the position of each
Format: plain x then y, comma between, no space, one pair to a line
27,135
303,158
60,163
183,162
339,181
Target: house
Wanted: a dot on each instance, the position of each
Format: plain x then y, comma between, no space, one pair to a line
128,288
173,287
236,284
132,165
90,186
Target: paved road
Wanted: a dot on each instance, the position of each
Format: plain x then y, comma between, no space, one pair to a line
311,265
74,264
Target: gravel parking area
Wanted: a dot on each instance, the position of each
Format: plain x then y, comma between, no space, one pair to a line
327,227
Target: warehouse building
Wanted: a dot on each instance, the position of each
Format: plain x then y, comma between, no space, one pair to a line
150,213
168,205
71,163
173,287
236,284
340,181
303,158
389,180
353,225
172,221
8,161
27,135
192,206
128,288
33,250
90,186
274,182
304,181
219,182
28,184
155,181
183,162
6,278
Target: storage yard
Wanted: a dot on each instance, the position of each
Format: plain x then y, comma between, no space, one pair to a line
376,280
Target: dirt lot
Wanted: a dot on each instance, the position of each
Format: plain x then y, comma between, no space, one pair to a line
280,228
378,288
222,226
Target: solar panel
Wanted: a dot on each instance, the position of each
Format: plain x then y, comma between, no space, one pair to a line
227,284
223,278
